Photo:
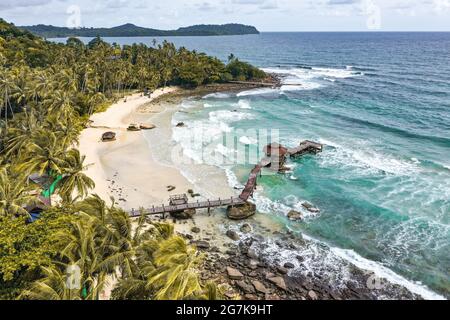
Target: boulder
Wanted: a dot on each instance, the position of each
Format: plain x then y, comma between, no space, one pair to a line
202,244
195,229
245,287
180,124
282,270
246,228
289,265
259,287
312,295
241,212
294,215
233,235
186,214
234,274
308,206
279,282
251,253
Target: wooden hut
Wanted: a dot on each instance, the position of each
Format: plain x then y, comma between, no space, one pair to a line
277,154
108,136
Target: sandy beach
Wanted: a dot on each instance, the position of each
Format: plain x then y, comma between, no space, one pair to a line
125,169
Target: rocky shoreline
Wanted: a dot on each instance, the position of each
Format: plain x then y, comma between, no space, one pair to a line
250,275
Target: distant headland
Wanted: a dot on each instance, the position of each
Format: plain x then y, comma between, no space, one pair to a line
131,30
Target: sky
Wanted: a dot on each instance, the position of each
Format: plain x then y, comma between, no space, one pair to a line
266,15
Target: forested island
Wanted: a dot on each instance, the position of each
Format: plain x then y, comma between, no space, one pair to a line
131,30
49,220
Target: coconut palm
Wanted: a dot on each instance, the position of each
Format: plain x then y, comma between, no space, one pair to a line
14,193
52,286
7,87
74,178
22,134
45,155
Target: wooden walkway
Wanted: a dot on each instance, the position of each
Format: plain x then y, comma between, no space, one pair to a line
250,187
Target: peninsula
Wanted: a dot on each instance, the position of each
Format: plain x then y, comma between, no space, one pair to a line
131,30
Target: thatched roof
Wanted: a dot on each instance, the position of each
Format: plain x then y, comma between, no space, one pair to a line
108,136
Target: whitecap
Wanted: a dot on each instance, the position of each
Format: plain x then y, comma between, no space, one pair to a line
248,140
217,95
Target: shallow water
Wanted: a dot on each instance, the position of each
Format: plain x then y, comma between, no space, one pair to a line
380,102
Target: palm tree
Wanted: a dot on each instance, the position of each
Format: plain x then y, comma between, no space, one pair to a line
13,193
7,87
45,155
22,133
74,178
52,286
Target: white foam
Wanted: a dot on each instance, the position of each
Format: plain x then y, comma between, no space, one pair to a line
217,95
229,116
243,104
365,159
255,92
248,140
385,273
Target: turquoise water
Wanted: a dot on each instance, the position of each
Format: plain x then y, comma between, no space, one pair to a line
380,102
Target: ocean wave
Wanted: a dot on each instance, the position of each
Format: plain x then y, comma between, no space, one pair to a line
248,140
229,116
217,95
243,104
365,160
385,273
256,92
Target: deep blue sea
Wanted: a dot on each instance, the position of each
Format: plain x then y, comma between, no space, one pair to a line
380,102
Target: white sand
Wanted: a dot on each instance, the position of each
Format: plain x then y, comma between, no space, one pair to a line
125,169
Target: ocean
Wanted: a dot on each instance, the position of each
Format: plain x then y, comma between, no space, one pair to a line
380,103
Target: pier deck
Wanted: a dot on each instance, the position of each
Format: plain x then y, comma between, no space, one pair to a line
178,206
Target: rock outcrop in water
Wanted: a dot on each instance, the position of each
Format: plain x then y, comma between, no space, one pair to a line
241,212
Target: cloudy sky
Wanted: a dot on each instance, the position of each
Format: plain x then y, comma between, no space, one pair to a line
266,15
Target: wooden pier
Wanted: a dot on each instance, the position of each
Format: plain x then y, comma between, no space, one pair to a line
180,203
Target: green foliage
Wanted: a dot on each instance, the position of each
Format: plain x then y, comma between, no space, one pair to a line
47,92
25,247
243,71
130,30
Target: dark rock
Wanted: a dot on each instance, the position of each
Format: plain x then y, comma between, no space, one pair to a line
201,244
300,258
195,230
188,236
308,206
230,252
246,228
294,215
282,270
241,212
247,288
183,215
180,124
233,235
289,265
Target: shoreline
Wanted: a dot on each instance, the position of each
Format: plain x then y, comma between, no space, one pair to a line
127,167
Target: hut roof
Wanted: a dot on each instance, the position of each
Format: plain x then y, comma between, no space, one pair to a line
275,149
108,135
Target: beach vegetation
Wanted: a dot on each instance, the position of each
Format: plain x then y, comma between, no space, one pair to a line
47,93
